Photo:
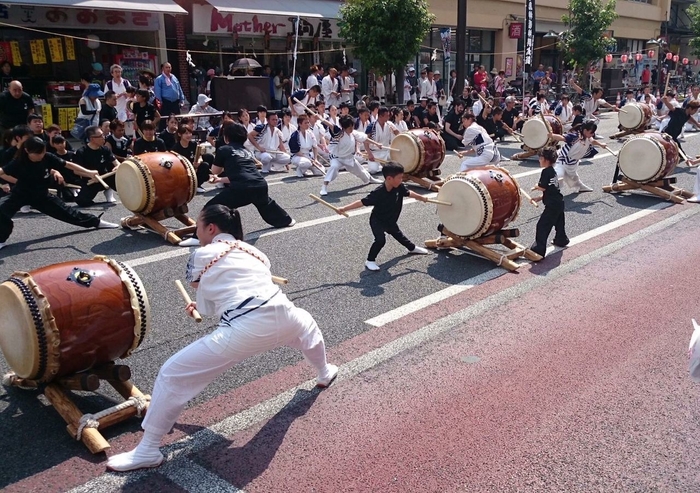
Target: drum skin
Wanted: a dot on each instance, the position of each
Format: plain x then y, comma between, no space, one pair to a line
648,157
422,151
635,116
71,317
555,125
155,181
484,201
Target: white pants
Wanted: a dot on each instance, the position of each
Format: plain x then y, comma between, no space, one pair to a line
487,157
568,173
375,166
188,372
304,164
351,165
269,160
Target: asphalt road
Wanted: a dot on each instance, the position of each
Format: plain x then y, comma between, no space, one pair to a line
322,256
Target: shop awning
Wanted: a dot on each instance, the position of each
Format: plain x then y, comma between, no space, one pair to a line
160,6
326,9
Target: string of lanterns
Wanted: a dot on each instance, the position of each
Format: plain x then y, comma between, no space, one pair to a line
651,54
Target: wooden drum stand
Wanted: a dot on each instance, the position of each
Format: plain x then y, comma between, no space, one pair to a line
661,188
152,221
431,181
86,427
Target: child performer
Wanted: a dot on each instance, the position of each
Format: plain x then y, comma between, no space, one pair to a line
387,200
553,200
186,147
304,148
233,283
33,168
149,142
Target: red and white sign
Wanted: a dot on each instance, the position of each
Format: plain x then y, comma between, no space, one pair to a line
515,30
72,18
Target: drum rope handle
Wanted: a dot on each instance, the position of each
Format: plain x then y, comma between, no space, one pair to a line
92,420
500,261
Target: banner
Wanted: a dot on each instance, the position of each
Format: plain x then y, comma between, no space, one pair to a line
36,46
47,114
446,37
66,117
16,55
70,48
55,49
529,33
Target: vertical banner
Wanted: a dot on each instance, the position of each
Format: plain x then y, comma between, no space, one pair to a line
529,33
55,49
36,46
70,48
16,55
6,51
446,37
47,114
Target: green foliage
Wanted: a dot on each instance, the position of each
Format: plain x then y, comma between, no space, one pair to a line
385,34
584,43
693,12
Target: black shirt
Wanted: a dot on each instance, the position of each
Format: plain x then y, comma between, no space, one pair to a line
454,120
550,183
143,113
108,113
33,178
509,116
434,118
100,159
168,138
14,111
675,125
387,203
187,152
120,147
142,145
488,123
7,155
578,121
239,165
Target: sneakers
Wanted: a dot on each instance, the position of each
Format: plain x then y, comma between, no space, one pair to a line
326,379
560,243
200,190
418,251
109,196
374,180
371,265
324,191
106,225
189,242
292,223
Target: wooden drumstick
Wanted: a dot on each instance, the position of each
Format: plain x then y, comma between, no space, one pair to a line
610,151
439,202
198,154
195,314
279,280
102,182
527,196
668,77
319,166
382,161
330,206
100,178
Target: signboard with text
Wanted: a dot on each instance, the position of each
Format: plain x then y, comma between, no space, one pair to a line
515,30
71,18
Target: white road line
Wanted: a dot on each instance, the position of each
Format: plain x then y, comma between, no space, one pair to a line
177,452
448,292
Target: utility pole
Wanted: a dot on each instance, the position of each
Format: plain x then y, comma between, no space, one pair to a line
461,63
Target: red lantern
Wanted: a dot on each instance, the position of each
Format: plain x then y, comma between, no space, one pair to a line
608,58
669,56
623,58
675,58
639,57
685,61
651,53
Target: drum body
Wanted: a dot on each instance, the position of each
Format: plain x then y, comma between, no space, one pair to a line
421,151
635,116
484,201
156,181
536,134
70,317
648,157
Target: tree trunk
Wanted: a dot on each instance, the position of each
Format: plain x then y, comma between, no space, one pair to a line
399,85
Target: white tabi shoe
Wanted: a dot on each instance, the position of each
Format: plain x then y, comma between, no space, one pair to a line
325,379
109,196
584,188
324,191
419,251
130,461
106,225
374,180
189,242
695,199
370,265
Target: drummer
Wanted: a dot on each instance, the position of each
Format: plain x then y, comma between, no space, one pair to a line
678,117
381,131
269,144
478,141
95,155
304,148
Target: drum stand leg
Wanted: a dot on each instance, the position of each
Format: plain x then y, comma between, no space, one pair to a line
624,133
661,188
480,247
521,156
85,427
174,236
424,182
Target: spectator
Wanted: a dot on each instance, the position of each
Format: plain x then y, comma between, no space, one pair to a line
537,78
202,107
97,77
118,86
109,109
169,92
5,74
15,106
646,75
211,73
278,92
90,105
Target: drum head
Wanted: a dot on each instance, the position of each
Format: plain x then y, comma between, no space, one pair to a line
18,336
131,185
641,159
410,153
631,117
535,134
466,215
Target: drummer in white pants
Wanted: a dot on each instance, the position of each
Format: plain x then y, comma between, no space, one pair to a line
233,284
304,148
577,146
477,139
342,152
269,144
381,131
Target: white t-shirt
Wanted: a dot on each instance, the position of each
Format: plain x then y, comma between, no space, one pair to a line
121,102
347,143
287,132
311,81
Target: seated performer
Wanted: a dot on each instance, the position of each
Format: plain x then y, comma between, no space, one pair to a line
246,184
287,128
33,168
186,147
387,200
149,142
342,153
304,148
117,142
453,123
305,98
268,142
95,156
233,284
477,139
577,145
381,131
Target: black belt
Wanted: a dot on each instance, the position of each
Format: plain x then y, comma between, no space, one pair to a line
243,304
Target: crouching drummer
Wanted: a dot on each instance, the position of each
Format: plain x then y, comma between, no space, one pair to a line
478,141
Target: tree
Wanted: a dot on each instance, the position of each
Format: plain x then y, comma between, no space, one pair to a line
584,44
693,12
385,34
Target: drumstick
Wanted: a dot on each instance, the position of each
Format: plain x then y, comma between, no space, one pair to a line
102,182
319,166
93,180
195,314
198,154
622,110
439,202
383,161
668,77
279,280
611,152
527,196
331,206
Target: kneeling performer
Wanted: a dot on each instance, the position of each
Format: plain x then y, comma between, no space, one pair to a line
480,142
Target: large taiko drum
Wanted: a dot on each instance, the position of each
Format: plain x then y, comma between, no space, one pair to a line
635,116
156,181
484,200
70,317
536,134
648,157
421,151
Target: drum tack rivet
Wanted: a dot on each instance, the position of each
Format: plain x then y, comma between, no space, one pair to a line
470,359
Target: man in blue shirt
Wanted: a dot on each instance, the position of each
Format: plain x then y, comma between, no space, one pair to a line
169,91
537,77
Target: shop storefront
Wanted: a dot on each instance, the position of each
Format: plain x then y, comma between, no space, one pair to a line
51,46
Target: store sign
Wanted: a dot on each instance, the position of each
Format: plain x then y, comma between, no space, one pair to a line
207,20
70,18
515,30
